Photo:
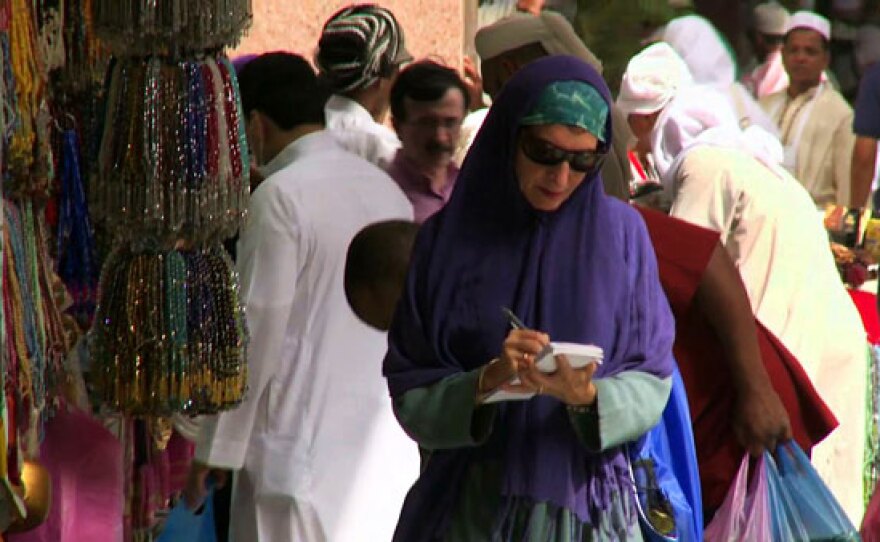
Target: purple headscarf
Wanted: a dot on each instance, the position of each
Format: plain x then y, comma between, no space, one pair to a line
585,273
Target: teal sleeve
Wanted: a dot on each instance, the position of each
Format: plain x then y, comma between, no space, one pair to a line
627,406
445,414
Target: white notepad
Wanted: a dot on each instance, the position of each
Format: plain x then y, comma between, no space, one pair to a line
579,355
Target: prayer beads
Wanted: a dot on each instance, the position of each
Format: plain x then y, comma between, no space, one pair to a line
171,165
169,333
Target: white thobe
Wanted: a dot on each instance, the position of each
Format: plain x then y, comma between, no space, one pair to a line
770,228
321,454
359,133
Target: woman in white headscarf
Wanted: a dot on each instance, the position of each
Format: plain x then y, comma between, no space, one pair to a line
711,63
719,179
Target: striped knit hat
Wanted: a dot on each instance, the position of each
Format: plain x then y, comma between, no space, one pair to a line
358,45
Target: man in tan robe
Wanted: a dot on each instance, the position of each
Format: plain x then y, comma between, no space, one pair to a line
814,120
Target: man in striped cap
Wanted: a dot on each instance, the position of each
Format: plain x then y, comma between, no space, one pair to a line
360,51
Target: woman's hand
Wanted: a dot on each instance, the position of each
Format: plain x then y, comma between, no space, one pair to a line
573,387
520,346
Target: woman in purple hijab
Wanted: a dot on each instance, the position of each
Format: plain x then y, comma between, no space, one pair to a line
529,227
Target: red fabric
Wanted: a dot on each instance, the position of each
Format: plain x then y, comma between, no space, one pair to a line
683,253
866,303
870,529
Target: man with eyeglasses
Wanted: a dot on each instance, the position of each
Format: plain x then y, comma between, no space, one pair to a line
428,104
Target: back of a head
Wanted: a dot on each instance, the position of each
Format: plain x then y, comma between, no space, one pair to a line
424,81
550,30
771,19
375,269
358,45
652,78
284,87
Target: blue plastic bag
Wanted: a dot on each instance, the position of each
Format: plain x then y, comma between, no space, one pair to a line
806,505
185,525
674,477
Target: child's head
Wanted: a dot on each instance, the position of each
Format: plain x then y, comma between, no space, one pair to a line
375,270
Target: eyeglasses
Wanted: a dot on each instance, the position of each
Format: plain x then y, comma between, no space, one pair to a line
547,154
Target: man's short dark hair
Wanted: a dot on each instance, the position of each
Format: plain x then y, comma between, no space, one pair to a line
284,87
424,81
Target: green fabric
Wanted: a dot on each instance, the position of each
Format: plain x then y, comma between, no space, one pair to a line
573,103
627,405
445,415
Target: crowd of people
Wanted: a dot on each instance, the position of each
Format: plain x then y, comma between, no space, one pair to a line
722,322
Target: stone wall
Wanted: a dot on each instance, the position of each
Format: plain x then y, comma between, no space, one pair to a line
432,28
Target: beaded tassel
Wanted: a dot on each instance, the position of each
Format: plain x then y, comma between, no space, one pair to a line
169,333
172,157
141,27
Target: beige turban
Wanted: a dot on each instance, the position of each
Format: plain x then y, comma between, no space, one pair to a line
771,18
549,29
652,79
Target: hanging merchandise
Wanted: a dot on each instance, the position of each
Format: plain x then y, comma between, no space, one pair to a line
172,184
36,342
77,262
143,27
28,167
169,333
171,162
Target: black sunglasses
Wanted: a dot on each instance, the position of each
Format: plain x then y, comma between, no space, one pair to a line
546,154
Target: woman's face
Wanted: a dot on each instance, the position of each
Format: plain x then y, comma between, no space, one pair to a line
546,187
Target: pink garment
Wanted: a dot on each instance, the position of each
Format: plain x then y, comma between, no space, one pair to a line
84,461
417,187
767,78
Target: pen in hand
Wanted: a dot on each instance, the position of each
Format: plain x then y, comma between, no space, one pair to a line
516,323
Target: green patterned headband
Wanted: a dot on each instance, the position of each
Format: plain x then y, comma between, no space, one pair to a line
574,103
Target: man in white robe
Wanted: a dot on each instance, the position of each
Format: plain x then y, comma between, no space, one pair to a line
318,453
720,180
815,121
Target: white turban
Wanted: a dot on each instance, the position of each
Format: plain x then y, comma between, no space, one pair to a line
652,79
550,29
700,115
698,43
812,21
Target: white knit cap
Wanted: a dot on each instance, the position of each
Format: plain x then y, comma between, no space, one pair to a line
813,21
652,79
771,18
550,29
